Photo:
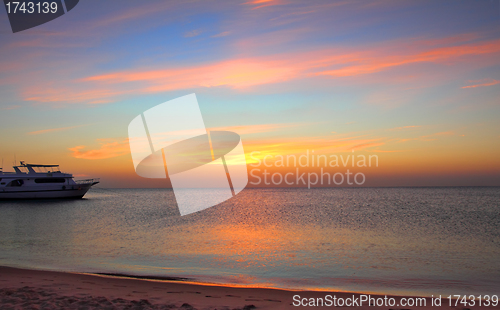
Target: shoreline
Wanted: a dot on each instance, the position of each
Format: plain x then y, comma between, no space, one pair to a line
23,288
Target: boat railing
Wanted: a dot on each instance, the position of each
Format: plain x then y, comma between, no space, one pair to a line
88,181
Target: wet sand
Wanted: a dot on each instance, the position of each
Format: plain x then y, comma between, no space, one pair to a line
36,289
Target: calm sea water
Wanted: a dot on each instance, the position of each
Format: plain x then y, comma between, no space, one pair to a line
388,240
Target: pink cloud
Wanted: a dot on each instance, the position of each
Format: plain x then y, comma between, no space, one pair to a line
248,72
489,83
258,4
39,132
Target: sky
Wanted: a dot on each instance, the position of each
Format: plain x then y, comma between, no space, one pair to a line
416,83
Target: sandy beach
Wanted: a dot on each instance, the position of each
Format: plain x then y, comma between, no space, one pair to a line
36,289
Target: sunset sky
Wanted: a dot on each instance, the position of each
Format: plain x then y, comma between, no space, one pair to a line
415,82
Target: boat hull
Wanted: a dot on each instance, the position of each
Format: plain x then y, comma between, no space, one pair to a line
75,192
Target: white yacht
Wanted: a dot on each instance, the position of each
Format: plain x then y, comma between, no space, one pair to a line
41,181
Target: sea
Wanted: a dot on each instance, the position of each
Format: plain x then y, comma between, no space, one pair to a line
404,241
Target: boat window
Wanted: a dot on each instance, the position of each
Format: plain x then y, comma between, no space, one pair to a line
15,183
50,180
47,169
23,169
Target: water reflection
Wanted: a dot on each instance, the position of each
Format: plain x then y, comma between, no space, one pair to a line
389,240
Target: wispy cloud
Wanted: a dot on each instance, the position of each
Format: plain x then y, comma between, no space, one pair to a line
222,34
483,83
434,136
426,138
319,145
244,73
132,13
405,127
11,107
258,4
108,149
73,94
367,145
192,33
363,63
249,129
43,131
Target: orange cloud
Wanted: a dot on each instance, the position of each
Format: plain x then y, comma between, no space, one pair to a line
404,127
39,132
107,150
238,73
443,133
301,145
263,3
248,129
366,145
68,94
433,136
244,73
366,64
11,107
491,83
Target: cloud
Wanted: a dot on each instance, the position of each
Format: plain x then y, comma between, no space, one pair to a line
108,149
293,14
73,94
363,63
249,129
132,13
258,4
486,83
367,145
222,34
39,132
248,72
432,137
11,107
192,33
114,148
382,151
404,127
319,145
